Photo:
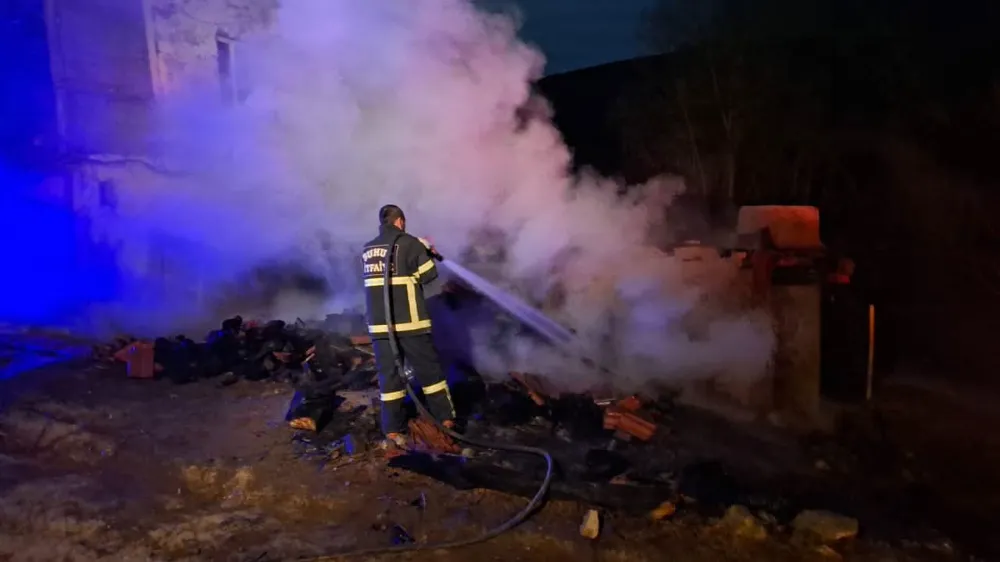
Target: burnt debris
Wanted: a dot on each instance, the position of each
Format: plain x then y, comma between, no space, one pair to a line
617,453
301,354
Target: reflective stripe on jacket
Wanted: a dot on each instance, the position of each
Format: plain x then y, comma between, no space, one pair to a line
412,268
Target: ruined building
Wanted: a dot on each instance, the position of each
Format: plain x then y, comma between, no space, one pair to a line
82,80
84,76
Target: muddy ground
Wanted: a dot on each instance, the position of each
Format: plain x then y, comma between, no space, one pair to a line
94,466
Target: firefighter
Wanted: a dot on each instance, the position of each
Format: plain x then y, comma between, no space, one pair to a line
412,269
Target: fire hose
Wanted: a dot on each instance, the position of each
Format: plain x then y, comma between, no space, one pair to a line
514,521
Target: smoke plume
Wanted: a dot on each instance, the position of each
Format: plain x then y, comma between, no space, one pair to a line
426,104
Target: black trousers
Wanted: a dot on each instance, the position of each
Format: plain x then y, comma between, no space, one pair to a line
419,353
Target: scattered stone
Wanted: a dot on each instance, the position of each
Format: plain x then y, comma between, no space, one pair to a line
826,526
427,436
740,523
228,378
664,510
627,425
767,518
590,528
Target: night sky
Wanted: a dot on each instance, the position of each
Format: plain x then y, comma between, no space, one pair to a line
580,33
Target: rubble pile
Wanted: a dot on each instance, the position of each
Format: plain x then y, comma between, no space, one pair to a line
317,359
608,452
298,353
611,452
603,447
335,405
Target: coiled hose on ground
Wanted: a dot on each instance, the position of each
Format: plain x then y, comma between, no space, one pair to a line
517,519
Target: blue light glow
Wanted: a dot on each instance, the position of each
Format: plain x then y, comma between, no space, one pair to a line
45,280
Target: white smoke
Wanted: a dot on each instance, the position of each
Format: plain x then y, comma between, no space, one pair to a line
357,104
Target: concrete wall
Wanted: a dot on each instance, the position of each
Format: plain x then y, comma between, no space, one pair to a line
102,75
742,394
98,187
185,36
796,309
27,99
112,60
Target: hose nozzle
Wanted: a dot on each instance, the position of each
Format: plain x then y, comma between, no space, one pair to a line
430,249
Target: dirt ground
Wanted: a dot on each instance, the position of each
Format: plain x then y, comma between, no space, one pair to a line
94,466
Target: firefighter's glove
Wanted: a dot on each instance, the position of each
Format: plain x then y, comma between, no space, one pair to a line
430,248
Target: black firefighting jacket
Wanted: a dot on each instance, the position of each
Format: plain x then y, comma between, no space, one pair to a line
412,268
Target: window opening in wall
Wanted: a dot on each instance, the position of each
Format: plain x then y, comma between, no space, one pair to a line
107,194
224,57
